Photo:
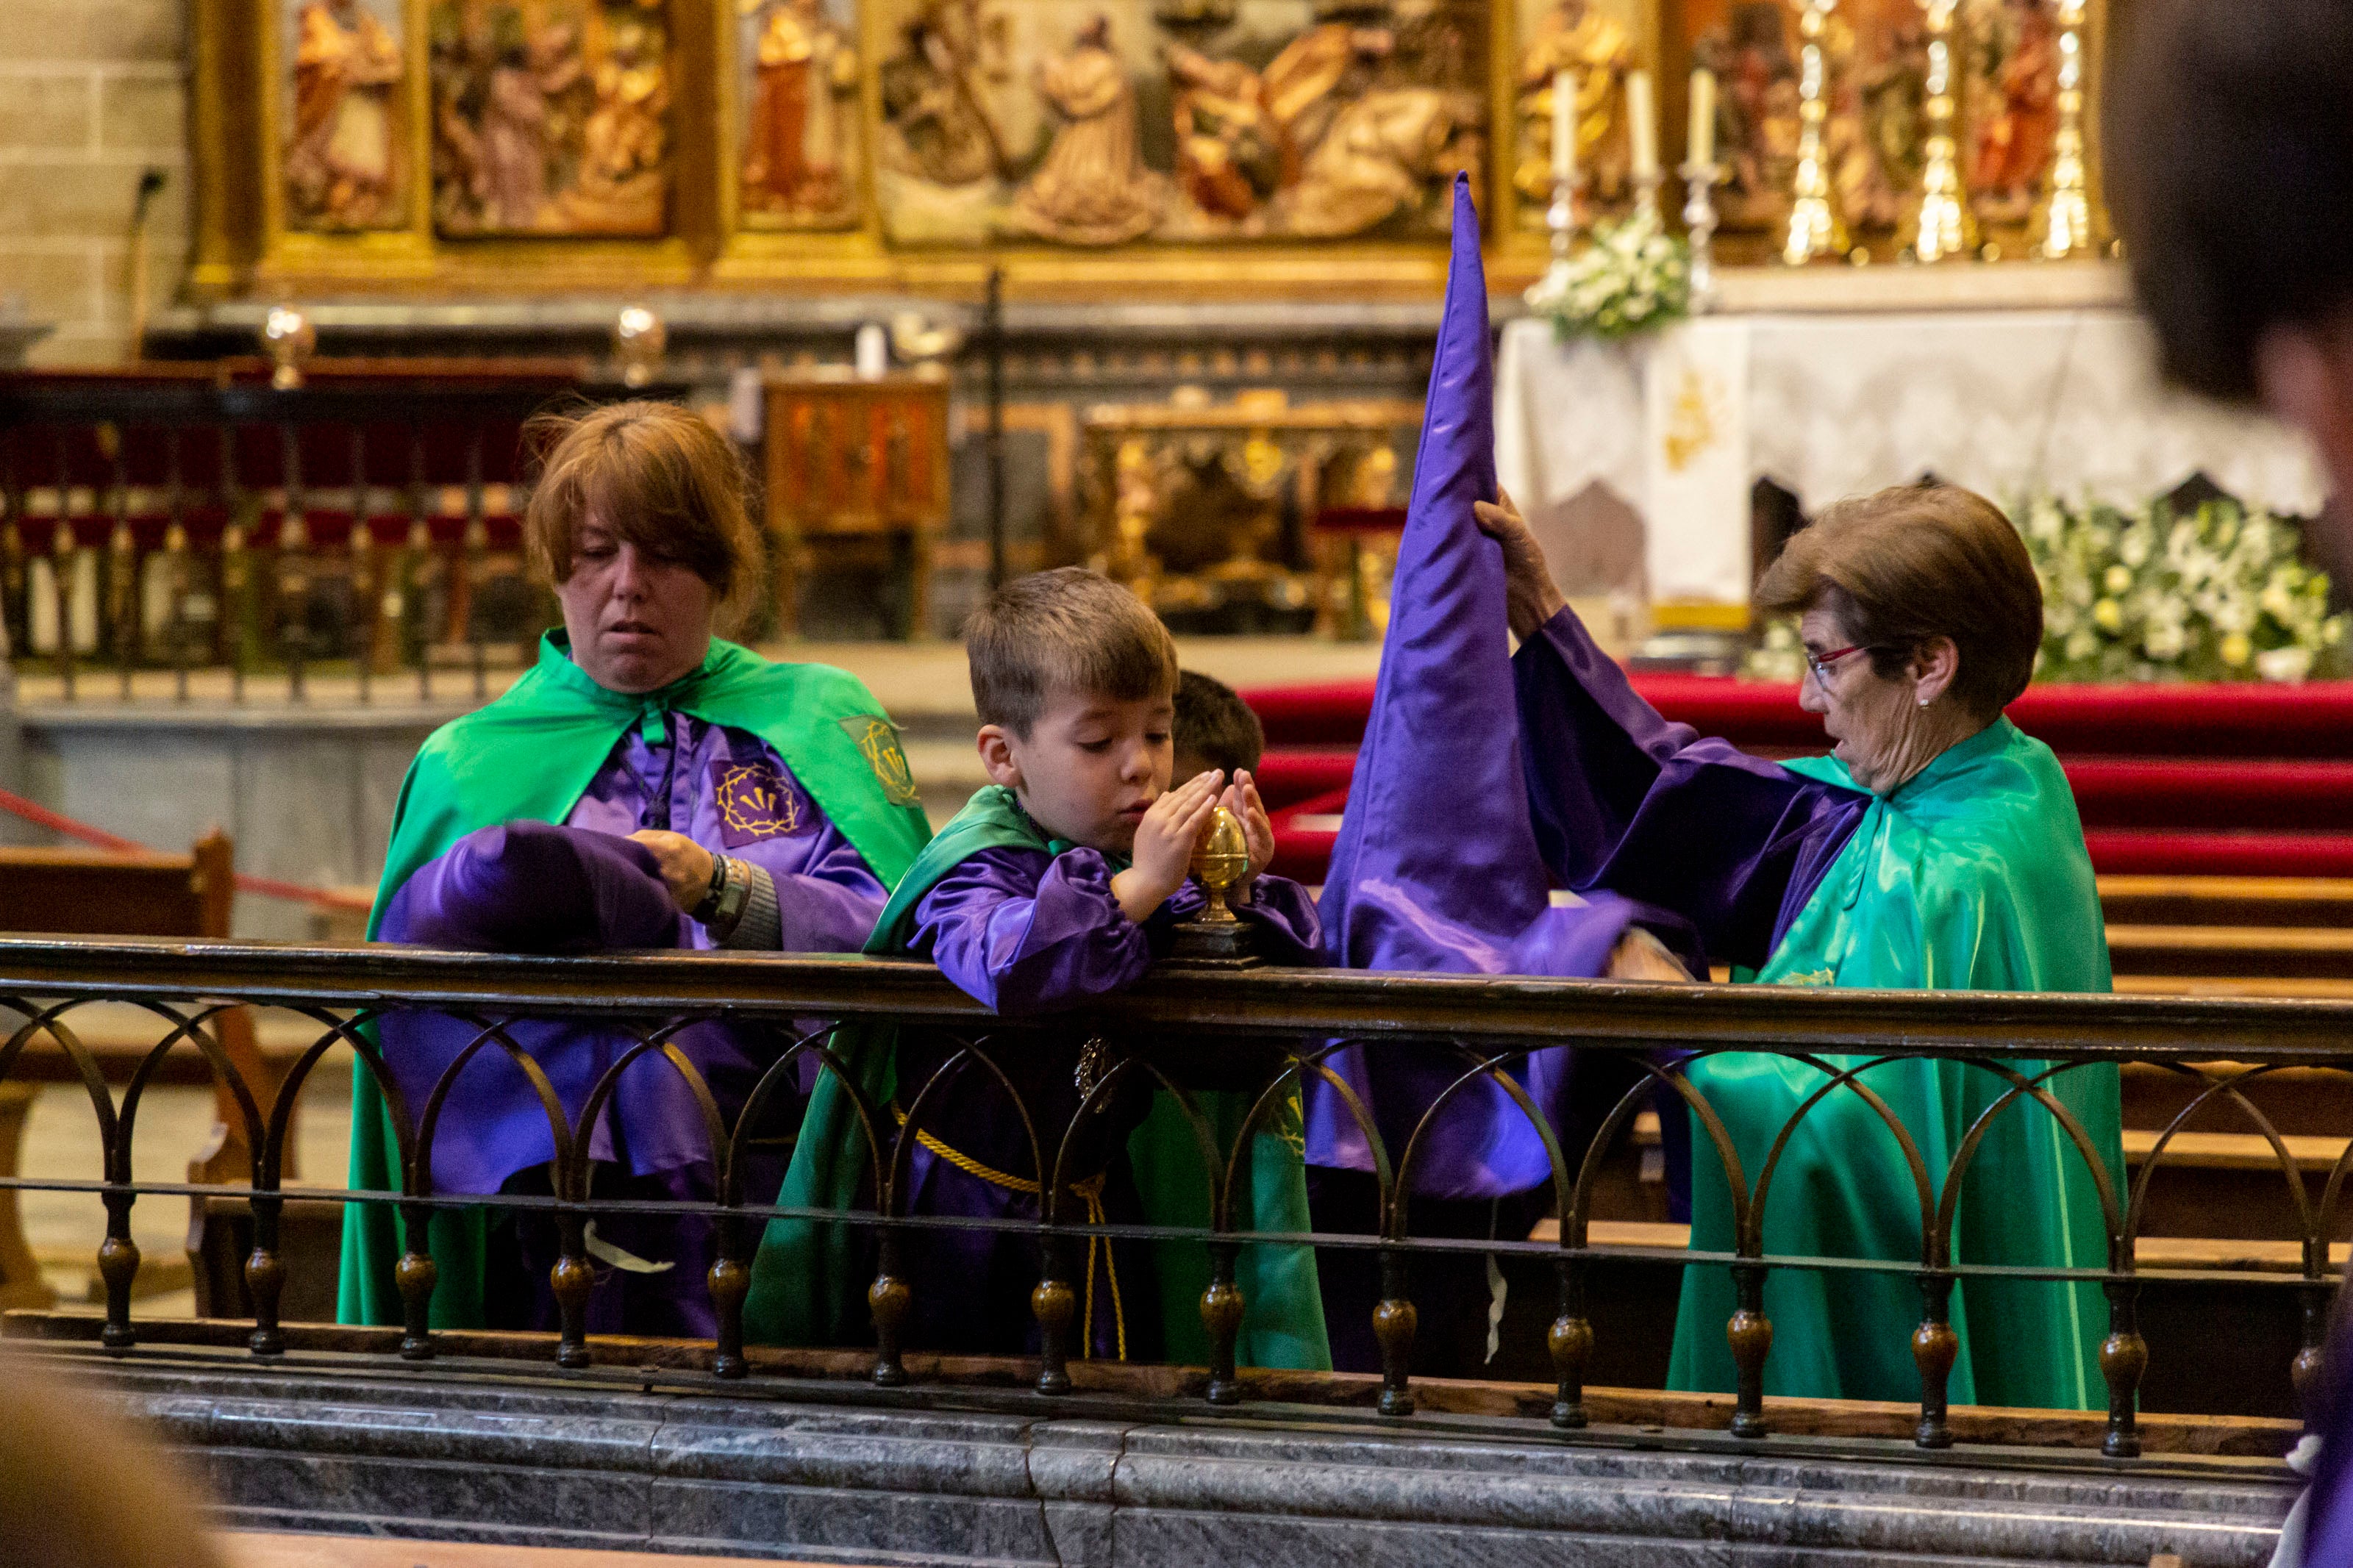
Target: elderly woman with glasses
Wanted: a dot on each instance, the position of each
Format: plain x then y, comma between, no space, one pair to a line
1936,847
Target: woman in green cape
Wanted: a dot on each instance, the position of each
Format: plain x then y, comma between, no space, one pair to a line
1936,847
644,784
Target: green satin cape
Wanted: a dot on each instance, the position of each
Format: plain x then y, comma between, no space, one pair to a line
804,1289
1971,876
528,756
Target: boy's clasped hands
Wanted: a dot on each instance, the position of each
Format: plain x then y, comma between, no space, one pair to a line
1172,827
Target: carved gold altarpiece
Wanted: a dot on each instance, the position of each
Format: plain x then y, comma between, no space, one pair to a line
1207,149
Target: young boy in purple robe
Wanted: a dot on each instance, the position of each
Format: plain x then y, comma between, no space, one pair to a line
644,786
1058,884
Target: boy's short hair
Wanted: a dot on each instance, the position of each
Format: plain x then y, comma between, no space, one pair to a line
2230,174
1069,629
1215,725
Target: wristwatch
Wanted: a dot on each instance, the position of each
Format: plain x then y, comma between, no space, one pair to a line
722,909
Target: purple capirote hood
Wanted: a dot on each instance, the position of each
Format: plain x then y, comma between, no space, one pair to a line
1436,867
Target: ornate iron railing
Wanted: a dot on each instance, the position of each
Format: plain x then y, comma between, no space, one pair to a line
1267,1028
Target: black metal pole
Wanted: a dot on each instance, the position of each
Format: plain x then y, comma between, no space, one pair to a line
993,339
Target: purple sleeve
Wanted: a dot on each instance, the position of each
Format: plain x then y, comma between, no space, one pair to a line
831,903
530,886
1624,800
1022,931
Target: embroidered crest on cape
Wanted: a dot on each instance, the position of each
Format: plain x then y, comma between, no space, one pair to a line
878,741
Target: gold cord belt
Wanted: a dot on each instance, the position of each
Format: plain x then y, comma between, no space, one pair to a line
1089,1191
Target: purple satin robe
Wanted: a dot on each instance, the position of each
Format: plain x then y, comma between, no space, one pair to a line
585,888
1031,933
1625,801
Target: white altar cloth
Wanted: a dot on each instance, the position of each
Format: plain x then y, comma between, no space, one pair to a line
2008,403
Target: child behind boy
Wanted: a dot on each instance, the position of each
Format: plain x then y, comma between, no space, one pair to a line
1058,884
1215,728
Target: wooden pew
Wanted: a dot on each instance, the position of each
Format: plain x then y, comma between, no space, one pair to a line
82,892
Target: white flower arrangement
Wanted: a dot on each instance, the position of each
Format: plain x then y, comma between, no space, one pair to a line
2220,594
1633,277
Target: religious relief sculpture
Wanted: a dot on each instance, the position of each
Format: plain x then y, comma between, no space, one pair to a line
1596,51
800,141
2014,111
1178,120
1092,188
551,117
1753,56
345,158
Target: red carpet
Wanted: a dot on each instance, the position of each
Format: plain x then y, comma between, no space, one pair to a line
2210,780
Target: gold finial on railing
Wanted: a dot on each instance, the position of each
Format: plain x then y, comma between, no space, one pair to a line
289,338
1221,859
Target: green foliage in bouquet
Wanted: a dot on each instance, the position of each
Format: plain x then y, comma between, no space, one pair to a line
1634,277
2218,594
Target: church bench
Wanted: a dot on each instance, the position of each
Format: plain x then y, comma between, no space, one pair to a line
81,893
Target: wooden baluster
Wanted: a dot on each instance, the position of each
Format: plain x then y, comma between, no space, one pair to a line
365,589
265,1273
478,544
235,610
1221,1314
118,1266
1394,1322
293,576
121,597
1751,1333
15,605
2304,1371
415,633
571,1280
890,1298
730,1279
176,565
2123,1356
1055,1305
61,567
1934,1347
414,1274
1570,1340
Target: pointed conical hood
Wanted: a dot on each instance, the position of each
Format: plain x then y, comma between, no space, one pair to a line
1435,865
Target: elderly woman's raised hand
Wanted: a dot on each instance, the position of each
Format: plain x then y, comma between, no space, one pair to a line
1530,596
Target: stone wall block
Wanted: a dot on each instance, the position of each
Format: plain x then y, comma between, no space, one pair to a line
46,109
97,30
144,111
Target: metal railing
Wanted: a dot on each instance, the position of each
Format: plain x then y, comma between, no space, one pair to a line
167,522
1266,1029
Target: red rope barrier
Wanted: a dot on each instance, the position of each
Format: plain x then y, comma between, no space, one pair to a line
99,838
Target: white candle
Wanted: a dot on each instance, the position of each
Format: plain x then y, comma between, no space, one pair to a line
1703,117
1642,120
1564,128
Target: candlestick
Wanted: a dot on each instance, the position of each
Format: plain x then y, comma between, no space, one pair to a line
2067,224
1814,226
1564,128
1642,120
1699,148
1699,218
1945,227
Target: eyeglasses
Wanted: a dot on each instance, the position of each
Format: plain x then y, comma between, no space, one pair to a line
1819,663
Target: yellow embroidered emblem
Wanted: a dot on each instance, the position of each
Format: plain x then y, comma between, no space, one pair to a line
879,742
1691,424
1811,977
754,803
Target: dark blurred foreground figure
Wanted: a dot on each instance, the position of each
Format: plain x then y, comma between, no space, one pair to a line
2231,148
79,1491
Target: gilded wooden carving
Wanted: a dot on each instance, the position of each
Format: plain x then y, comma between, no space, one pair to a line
346,153
1595,41
1093,125
798,61
551,117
